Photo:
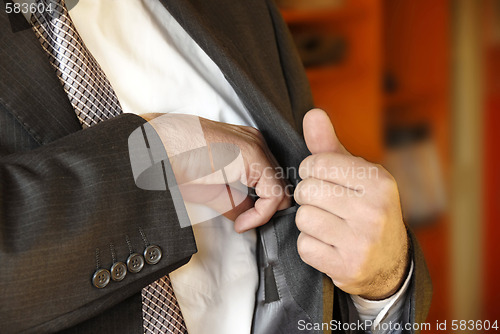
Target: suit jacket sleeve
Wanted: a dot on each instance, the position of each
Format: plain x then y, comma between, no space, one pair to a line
63,207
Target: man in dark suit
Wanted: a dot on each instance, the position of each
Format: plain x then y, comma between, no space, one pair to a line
67,194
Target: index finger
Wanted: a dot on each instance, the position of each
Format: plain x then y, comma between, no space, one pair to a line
271,196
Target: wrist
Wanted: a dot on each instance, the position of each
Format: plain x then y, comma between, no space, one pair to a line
388,282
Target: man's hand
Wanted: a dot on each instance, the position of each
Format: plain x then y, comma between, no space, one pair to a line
186,133
350,216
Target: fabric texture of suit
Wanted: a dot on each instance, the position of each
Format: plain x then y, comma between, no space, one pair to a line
67,194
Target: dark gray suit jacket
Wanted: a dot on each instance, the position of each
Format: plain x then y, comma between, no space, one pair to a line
66,194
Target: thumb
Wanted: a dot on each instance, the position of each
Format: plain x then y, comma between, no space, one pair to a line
319,133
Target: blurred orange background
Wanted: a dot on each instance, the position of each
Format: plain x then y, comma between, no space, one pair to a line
415,85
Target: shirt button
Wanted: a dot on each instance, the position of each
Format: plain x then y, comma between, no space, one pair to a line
101,278
135,262
118,271
152,254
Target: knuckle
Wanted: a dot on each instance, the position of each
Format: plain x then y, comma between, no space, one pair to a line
298,193
388,184
301,217
375,214
359,160
304,167
376,225
304,248
303,192
321,164
386,181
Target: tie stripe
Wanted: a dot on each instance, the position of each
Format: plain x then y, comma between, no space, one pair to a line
85,83
94,100
160,310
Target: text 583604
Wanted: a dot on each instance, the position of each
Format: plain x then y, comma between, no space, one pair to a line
25,8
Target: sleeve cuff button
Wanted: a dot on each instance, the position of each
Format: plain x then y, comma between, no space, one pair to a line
118,271
135,263
152,254
101,278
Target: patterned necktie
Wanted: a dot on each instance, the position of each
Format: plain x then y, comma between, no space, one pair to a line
94,100
160,310
88,89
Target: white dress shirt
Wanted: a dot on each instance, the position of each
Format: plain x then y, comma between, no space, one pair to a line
154,66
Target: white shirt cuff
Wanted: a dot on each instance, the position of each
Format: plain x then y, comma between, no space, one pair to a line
382,310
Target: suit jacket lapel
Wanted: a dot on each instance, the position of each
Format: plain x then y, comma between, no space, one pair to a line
30,89
234,41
